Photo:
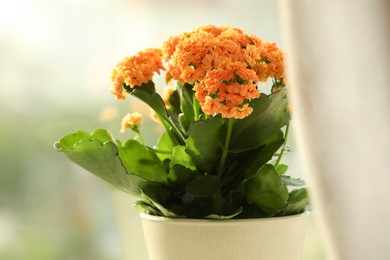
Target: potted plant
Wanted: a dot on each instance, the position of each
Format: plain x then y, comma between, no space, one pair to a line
217,167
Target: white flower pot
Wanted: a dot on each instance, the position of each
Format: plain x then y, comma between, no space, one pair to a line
279,238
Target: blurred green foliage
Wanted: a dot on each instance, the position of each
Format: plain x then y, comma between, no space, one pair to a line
49,208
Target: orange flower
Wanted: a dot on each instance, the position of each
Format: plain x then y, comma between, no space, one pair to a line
135,70
227,91
252,54
212,29
275,60
169,47
236,35
131,121
191,55
223,64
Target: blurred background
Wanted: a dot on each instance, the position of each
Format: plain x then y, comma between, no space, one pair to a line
55,64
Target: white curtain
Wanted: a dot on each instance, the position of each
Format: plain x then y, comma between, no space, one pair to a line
339,72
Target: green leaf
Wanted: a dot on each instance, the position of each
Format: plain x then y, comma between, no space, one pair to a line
142,162
215,216
184,123
146,93
69,140
267,191
203,143
269,115
174,101
182,168
148,87
181,157
161,198
289,181
203,186
99,158
180,175
244,166
252,211
102,135
281,169
147,207
186,104
298,201
165,145
262,155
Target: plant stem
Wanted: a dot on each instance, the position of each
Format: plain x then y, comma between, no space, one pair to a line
283,147
221,165
196,107
167,123
158,151
166,128
178,131
141,139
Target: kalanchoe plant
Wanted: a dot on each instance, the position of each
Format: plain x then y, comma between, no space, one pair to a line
220,155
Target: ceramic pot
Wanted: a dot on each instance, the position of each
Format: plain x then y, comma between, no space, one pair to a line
279,238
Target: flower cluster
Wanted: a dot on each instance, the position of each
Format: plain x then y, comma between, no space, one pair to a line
131,121
225,91
222,63
135,71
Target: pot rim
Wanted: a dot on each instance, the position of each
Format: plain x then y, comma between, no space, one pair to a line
153,218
